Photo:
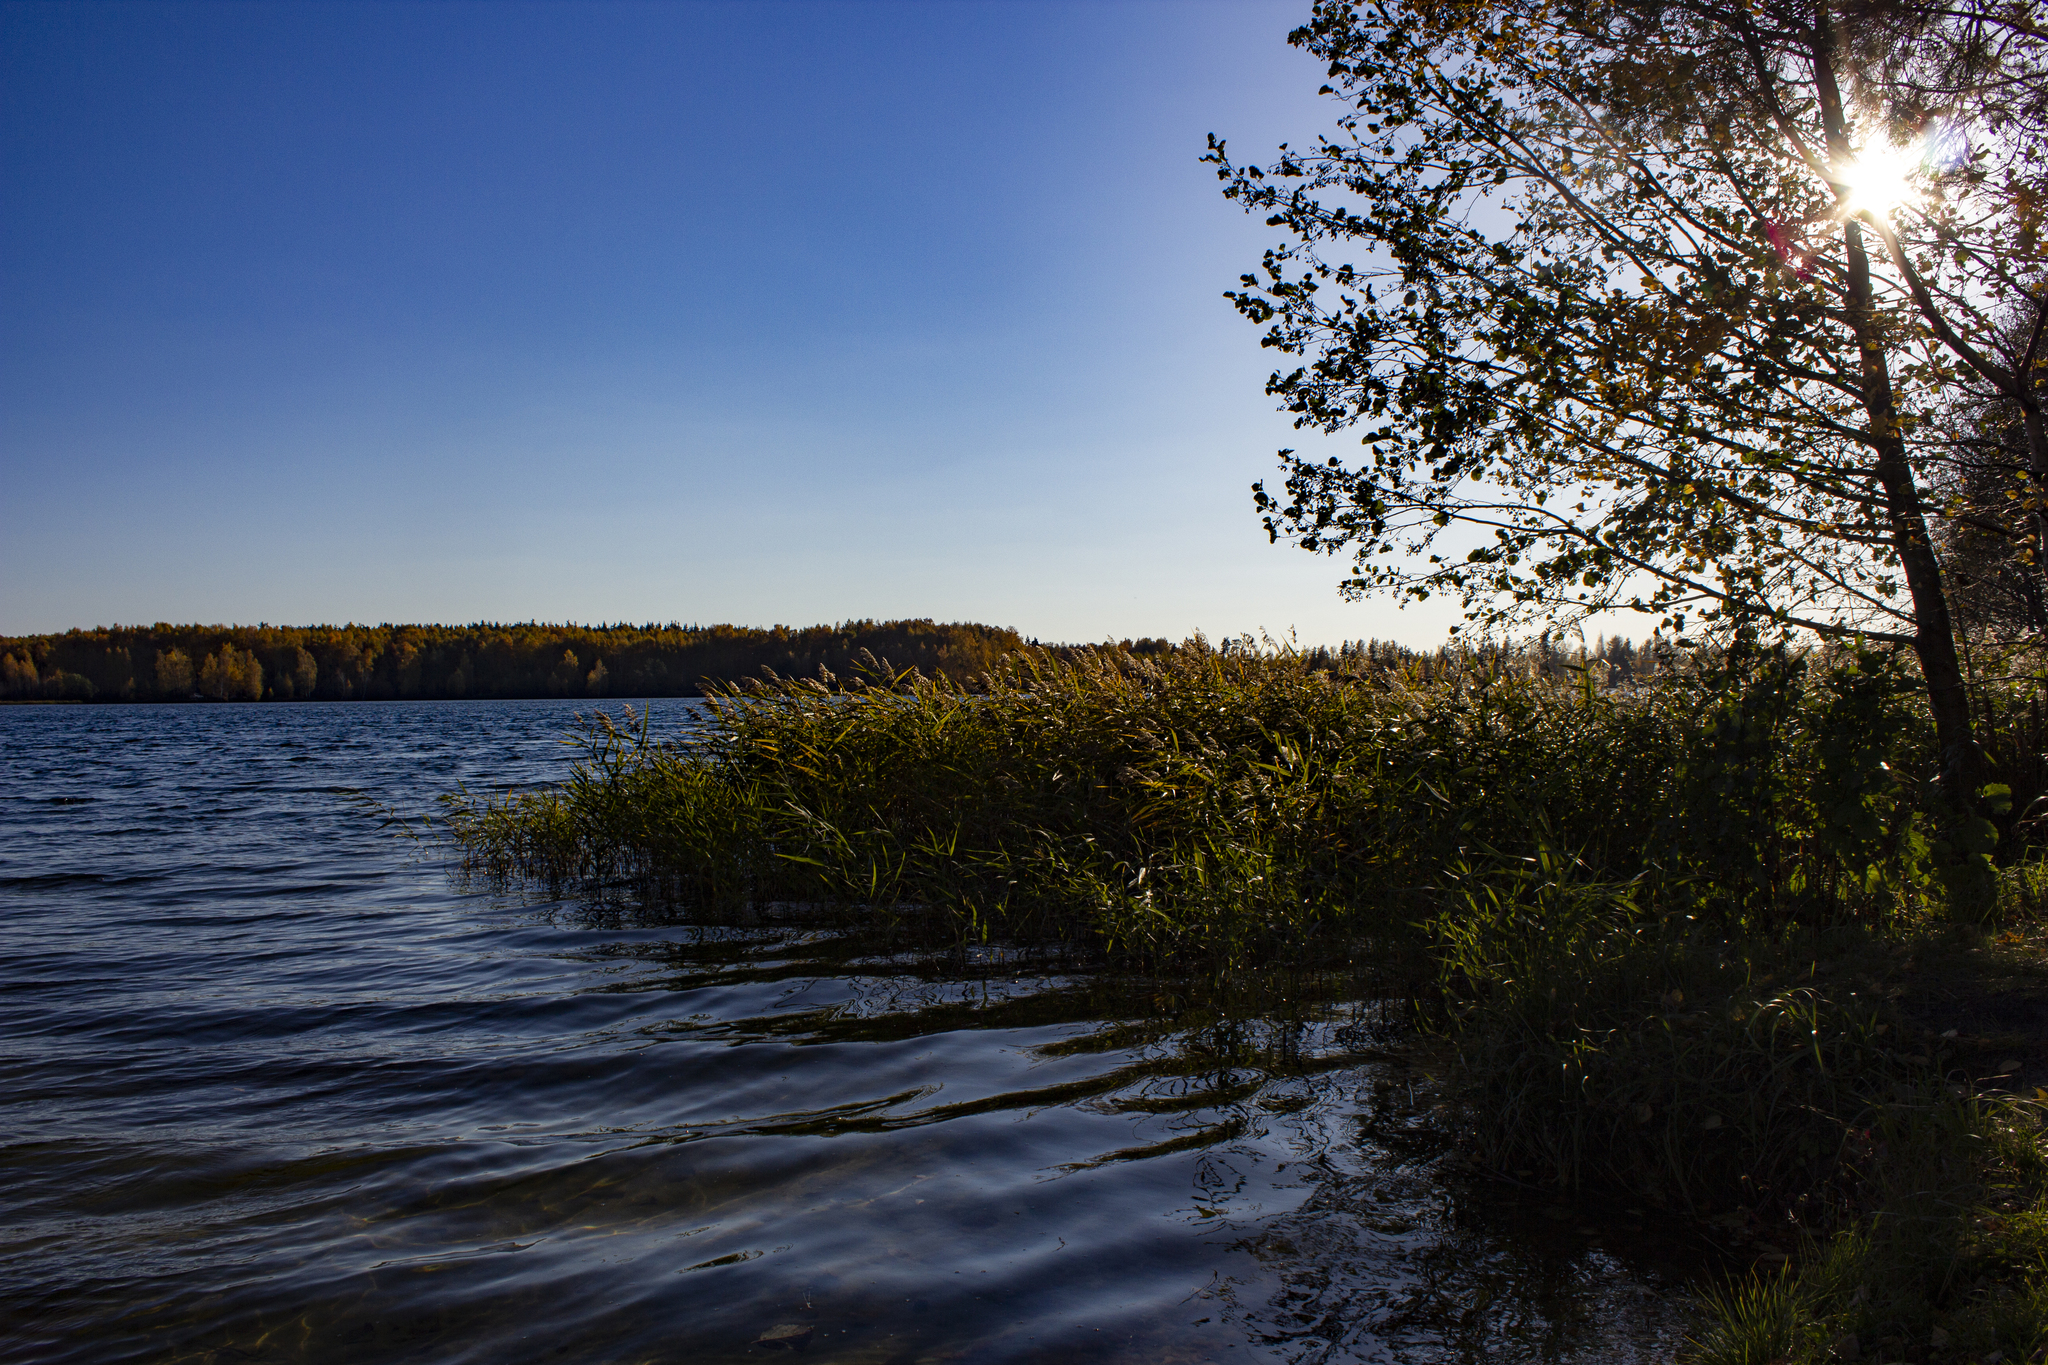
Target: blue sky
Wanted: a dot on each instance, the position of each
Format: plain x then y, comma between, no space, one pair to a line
754,312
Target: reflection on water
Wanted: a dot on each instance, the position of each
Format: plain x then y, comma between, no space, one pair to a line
274,1089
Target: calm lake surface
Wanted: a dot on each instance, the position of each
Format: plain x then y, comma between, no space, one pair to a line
273,1087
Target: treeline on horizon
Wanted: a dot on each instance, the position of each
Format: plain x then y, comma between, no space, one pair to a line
390,662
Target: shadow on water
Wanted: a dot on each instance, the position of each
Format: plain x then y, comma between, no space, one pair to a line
302,1100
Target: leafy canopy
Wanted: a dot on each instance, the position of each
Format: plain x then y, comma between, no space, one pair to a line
1585,279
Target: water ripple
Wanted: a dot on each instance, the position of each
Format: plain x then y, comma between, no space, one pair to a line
274,1089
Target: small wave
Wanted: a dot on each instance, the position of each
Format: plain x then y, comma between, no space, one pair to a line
72,881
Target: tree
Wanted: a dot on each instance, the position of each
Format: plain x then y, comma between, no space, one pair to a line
1658,306
1990,534
174,674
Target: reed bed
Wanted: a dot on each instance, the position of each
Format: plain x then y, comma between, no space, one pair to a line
1226,804
1655,919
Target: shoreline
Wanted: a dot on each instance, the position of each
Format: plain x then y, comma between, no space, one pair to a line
1662,965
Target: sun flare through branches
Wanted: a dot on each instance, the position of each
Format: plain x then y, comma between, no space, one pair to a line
1878,180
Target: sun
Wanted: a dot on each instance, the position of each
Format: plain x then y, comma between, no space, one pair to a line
1878,180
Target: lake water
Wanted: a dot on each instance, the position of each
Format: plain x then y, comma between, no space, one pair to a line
273,1087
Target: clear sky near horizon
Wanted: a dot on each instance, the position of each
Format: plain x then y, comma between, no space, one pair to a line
758,312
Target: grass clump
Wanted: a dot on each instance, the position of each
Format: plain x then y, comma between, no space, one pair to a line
1947,1260
1612,1046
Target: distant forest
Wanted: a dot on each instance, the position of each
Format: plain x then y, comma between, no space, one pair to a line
381,663
374,663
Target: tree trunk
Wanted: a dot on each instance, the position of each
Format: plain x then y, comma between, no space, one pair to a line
2037,486
1934,640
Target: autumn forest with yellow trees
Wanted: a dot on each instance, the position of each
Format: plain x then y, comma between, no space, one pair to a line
384,662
